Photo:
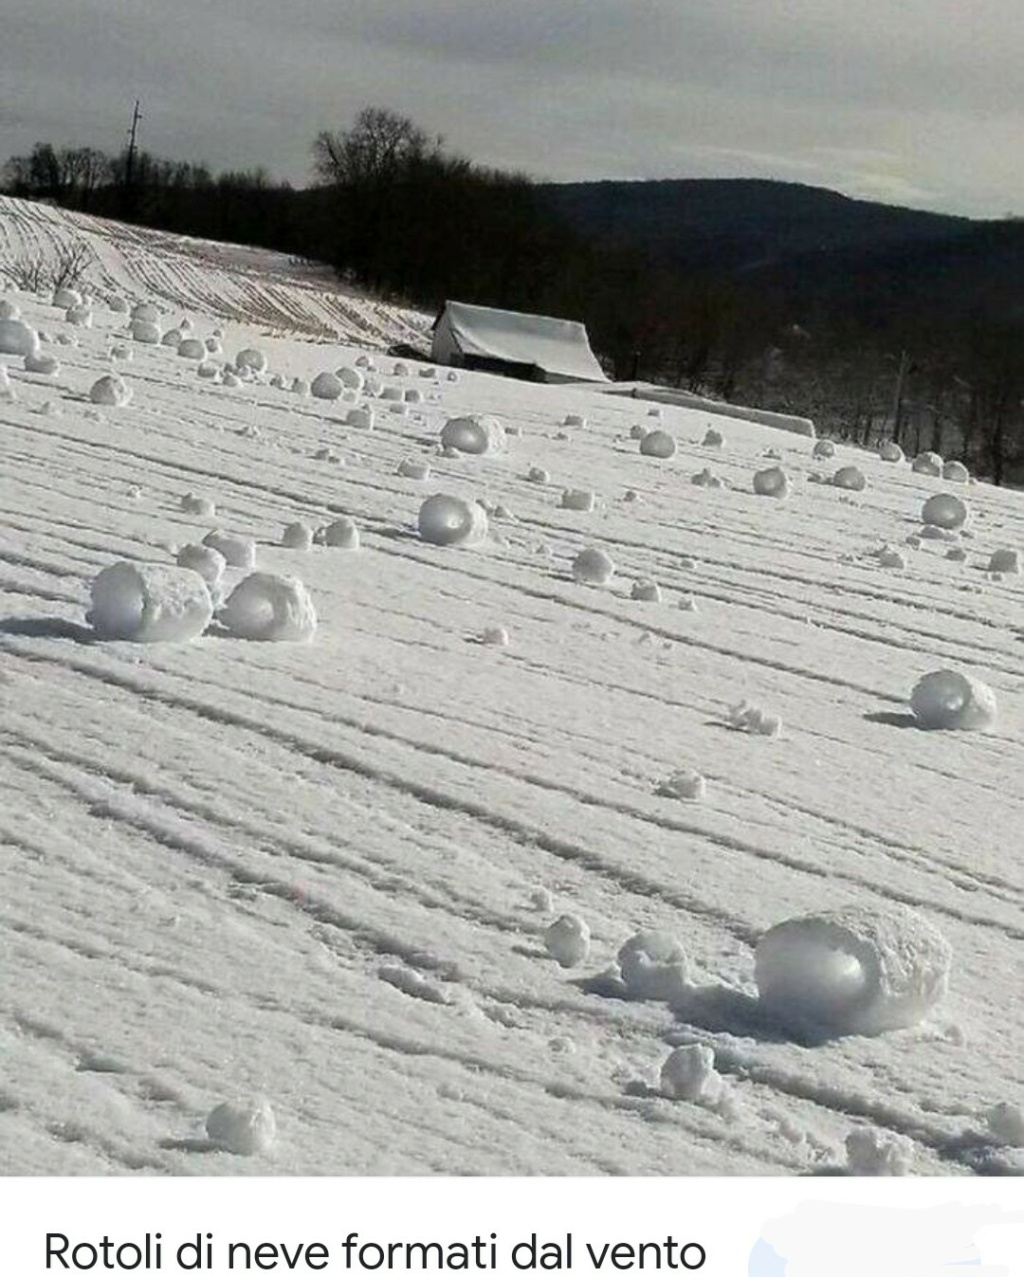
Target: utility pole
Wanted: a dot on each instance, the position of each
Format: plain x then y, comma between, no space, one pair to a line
129,163
897,402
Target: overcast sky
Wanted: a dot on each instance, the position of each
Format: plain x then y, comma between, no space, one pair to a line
918,102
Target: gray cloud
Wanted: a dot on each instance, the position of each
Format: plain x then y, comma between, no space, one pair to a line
919,101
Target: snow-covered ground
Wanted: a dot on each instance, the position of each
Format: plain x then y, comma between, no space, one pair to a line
329,874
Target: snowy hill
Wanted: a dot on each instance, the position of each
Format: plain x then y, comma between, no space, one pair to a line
325,873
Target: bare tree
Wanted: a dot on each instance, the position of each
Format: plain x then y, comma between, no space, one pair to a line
372,152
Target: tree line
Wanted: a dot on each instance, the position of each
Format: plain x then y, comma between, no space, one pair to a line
398,213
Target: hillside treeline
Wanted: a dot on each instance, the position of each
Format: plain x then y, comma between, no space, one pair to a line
921,341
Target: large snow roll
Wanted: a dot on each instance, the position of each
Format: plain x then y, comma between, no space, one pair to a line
927,463
474,434
270,608
951,700
944,510
657,443
325,386
146,331
16,338
773,482
251,358
445,520
110,391
238,551
653,965
849,477
855,970
889,450
149,603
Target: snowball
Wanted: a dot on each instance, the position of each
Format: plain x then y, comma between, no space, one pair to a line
542,900
875,1152
538,475
251,358
300,386
120,352
342,534
192,348
575,420
146,332
47,365
568,940
707,479
957,554
889,557
79,316
948,699
475,435
145,312
578,499
773,482
327,454
1006,1122
683,784
823,449
65,298
392,394
149,603
657,443
117,304
399,409
689,1074
1007,561
849,477
171,338
400,370
932,533
637,432
945,511
16,338
452,375
207,370
213,346
412,395
593,567
445,520
927,463
855,970
888,450
495,636
413,468
269,608
713,438
244,1127
111,391
653,966
239,551
297,536
644,591
364,361
230,380
955,472
202,506
361,418
205,560
746,717
351,378
325,386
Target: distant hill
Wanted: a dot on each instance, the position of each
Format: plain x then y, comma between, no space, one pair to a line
815,244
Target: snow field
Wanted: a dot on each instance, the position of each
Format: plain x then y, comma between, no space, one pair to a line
310,874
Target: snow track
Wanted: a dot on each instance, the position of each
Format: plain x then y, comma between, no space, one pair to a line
232,868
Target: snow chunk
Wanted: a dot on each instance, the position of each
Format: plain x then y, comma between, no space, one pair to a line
361,418
653,966
191,348
269,608
252,358
65,298
684,783
446,520
342,534
657,443
495,636
689,1073
111,391
245,1127
1006,1122
146,312
325,386
205,560
956,472
927,463
149,603
79,316
202,506
171,338
207,370
645,591
747,717
889,557
413,468
706,478
300,387
578,499
475,435
1007,561
537,474
593,567
350,378
889,450
16,338
713,438
47,365
849,477
574,420
944,510
297,536
568,940
146,331
239,551
870,1151
948,699
773,482
855,970
823,449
